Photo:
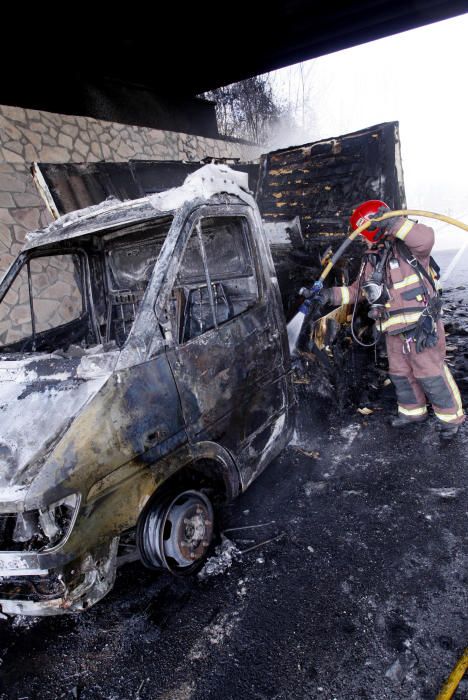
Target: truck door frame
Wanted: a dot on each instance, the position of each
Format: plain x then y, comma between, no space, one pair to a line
231,427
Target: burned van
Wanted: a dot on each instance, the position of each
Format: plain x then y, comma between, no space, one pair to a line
144,376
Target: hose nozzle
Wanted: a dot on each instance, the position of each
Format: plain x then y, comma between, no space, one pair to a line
310,292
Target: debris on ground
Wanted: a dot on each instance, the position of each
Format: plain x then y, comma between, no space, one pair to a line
403,665
315,454
262,544
225,554
450,492
313,487
248,527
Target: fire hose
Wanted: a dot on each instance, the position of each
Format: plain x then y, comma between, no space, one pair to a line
452,682
388,215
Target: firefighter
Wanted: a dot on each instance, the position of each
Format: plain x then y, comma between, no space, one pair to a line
398,281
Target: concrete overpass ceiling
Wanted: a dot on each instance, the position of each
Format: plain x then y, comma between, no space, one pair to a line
208,48
147,69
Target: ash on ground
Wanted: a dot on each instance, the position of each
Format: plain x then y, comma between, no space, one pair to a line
225,554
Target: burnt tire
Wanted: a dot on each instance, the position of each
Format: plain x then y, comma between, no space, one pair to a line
175,532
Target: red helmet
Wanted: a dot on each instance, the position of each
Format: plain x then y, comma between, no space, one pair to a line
361,214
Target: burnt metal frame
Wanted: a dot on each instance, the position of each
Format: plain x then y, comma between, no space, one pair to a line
107,243
145,333
11,274
195,222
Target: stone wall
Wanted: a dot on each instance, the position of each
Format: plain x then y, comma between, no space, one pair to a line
28,135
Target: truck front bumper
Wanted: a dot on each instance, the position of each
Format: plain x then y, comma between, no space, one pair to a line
27,589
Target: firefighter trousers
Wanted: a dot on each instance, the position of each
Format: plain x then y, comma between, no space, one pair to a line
422,377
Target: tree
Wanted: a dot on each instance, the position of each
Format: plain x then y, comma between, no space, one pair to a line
274,109
247,110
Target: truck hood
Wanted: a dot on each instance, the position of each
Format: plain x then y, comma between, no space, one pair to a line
39,398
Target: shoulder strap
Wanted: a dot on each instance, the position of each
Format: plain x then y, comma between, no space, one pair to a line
435,267
411,260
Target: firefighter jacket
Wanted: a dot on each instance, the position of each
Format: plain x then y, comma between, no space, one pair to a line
407,289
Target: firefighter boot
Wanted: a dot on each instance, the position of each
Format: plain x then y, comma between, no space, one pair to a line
448,432
402,421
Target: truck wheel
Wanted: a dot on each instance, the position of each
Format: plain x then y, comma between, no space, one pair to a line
176,531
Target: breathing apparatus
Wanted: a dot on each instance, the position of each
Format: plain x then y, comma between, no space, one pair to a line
374,288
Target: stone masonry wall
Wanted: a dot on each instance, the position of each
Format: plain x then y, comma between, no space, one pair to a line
28,135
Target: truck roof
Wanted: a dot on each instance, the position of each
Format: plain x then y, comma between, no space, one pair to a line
204,183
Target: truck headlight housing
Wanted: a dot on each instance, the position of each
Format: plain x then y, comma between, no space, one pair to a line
57,520
42,529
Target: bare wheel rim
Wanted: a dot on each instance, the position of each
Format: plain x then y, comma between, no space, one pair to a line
177,532
188,529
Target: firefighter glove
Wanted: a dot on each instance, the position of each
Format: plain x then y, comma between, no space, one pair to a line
324,297
425,335
382,225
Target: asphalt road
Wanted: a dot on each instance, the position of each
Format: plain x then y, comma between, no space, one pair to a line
363,594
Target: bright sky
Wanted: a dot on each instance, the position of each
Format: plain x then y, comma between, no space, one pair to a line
417,78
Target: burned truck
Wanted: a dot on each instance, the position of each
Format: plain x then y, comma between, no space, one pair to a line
144,376
144,367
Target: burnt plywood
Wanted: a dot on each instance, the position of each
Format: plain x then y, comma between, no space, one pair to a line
323,182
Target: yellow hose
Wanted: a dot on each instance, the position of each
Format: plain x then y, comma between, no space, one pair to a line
451,684
391,214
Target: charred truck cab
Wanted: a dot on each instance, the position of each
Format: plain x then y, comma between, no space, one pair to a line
144,373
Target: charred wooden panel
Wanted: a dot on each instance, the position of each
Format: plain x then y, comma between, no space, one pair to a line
323,182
